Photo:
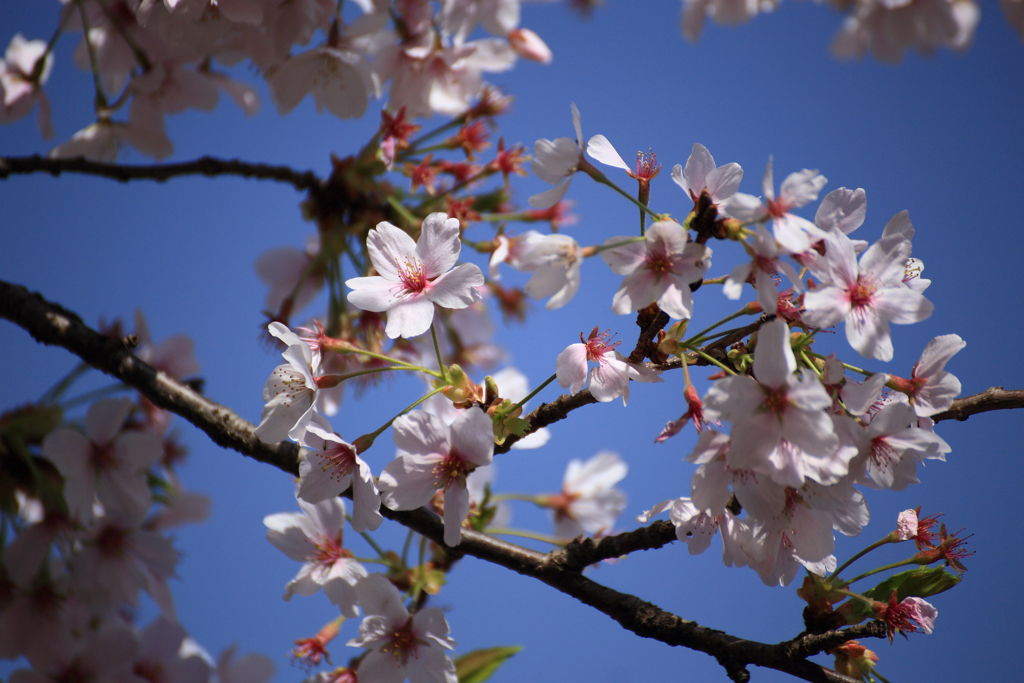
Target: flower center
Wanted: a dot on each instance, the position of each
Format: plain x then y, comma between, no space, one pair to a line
413,279
775,400
452,468
598,344
777,208
862,293
402,642
340,459
329,551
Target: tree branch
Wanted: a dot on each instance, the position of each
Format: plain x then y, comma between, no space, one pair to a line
51,324
207,166
993,398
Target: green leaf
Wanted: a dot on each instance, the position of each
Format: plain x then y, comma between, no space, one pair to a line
479,665
919,583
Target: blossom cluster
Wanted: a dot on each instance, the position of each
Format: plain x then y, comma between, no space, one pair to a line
156,58
89,537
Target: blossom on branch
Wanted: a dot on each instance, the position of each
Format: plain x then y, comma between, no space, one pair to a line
414,276
291,391
610,379
435,456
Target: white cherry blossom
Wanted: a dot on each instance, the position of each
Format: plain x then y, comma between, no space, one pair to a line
555,263
291,390
415,276
555,161
868,295
589,503
658,269
434,456
401,645
610,379
701,175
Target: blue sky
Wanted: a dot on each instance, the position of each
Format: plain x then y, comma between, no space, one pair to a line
937,136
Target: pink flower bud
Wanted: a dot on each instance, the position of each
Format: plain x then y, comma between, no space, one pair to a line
529,45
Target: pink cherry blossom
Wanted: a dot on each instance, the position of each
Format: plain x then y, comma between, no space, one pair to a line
930,388
868,295
314,537
555,161
25,67
765,263
701,175
897,444
330,468
728,12
555,263
588,502
104,463
658,269
888,28
333,77
291,391
415,276
292,276
435,456
792,232
842,209
401,645
779,421
906,525
610,379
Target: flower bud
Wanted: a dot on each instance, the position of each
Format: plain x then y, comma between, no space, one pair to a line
529,45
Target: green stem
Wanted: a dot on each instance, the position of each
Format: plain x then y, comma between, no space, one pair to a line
405,549
852,368
417,587
588,168
526,534
536,391
713,361
811,365
377,432
99,98
894,565
402,211
94,394
388,359
597,249
498,497
862,553
369,539
414,145
699,337
57,390
437,352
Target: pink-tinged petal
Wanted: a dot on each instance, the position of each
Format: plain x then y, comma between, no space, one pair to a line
753,440
380,666
885,261
458,287
408,482
548,198
599,473
903,305
432,626
554,160
693,178
372,293
318,480
365,499
568,290
638,289
666,238
438,246
473,437
577,126
378,596
898,229
807,392
676,302
825,306
723,182
456,508
624,259
599,148
842,209
767,293
868,333
390,249
288,533
733,287
811,431
774,362
858,398
768,180
410,319
571,367
105,419
421,432
801,187
937,353
744,207
609,380
791,232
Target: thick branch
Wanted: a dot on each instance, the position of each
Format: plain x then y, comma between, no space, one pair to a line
993,398
208,166
51,324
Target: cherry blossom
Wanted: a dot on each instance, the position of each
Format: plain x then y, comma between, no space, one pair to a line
930,388
292,276
728,12
434,456
330,468
700,175
792,232
555,263
104,462
897,445
610,379
766,262
314,537
906,616
887,28
291,391
334,77
868,295
555,161
779,422
842,209
415,276
162,657
400,645
658,269
588,502
25,67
